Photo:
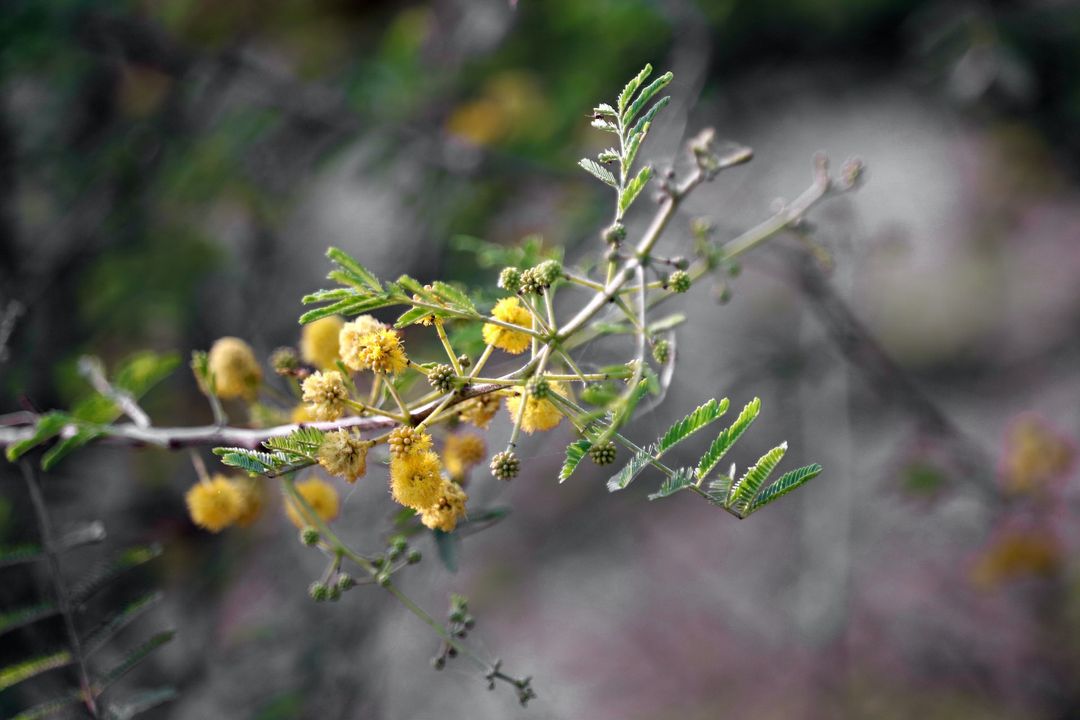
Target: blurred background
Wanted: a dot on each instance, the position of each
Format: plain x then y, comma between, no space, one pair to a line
172,171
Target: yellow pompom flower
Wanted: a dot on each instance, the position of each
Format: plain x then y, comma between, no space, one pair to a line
325,393
320,495
233,366
302,414
461,451
405,440
416,479
380,351
540,414
319,341
214,504
344,454
479,410
447,510
508,310
251,500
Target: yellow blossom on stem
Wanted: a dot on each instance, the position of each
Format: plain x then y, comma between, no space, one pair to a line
416,479
320,495
302,414
461,451
380,351
479,410
250,492
319,341
344,454
509,310
447,510
325,393
214,504
233,366
405,440
540,413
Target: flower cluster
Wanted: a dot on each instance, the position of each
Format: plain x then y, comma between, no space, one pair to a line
217,502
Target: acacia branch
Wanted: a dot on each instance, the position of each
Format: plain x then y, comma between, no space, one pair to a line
132,434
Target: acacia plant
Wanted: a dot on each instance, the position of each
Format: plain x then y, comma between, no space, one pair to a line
360,396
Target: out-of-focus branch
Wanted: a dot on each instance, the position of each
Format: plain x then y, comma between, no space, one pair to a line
861,349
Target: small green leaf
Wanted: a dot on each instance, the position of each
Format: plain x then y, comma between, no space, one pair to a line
632,86
727,438
645,121
143,701
14,674
101,634
453,296
25,616
18,554
668,322
633,188
743,492
699,418
632,469
351,266
447,546
105,573
787,482
681,479
575,453
646,94
328,296
605,109
132,659
598,171
48,426
62,449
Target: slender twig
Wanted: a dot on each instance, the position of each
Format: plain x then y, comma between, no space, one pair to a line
63,599
92,369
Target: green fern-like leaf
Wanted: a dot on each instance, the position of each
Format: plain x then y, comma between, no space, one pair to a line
727,438
632,86
132,659
25,616
787,482
48,426
105,573
15,674
749,484
699,418
632,469
100,635
453,296
349,264
302,443
142,702
680,480
49,708
575,453
641,126
599,172
19,554
634,187
253,461
647,93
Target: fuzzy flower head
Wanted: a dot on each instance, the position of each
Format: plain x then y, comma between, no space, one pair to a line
232,364
380,350
214,504
416,479
302,414
344,454
447,510
326,393
509,310
405,440
479,410
250,492
319,341
320,495
462,451
540,413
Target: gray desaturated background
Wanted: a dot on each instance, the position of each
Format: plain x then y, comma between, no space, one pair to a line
172,172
